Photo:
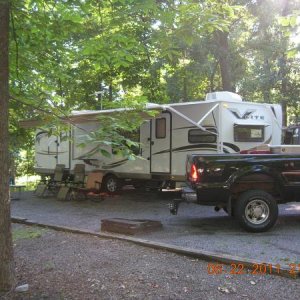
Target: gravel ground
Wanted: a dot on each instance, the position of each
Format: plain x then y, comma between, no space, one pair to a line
59,265
195,226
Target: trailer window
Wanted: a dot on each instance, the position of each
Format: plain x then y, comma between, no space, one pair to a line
200,136
248,133
160,128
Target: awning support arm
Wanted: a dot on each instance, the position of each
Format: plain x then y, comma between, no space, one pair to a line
207,114
187,119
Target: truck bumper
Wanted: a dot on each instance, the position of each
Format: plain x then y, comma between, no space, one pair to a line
188,195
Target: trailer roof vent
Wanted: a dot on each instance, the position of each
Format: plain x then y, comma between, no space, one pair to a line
223,96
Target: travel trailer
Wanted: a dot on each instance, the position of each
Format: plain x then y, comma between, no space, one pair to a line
223,123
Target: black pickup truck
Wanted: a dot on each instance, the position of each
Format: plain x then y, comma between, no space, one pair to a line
248,187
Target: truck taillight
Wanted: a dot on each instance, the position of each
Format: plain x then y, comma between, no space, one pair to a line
194,175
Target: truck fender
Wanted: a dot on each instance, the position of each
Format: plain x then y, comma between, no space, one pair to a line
255,169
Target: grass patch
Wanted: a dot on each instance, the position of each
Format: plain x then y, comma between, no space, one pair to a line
27,233
31,185
49,266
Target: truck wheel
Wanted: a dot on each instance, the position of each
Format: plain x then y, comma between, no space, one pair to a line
256,211
110,184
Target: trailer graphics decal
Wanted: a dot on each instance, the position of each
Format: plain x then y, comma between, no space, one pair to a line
40,135
200,147
238,114
51,152
248,114
115,164
89,153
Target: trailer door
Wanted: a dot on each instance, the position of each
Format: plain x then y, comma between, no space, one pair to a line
161,144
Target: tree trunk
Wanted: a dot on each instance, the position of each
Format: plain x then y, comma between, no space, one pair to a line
224,60
185,90
283,91
283,71
110,92
266,89
6,249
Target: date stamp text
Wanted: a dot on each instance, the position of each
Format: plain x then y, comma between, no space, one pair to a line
254,269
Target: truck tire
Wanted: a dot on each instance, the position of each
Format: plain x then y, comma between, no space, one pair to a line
110,184
256,211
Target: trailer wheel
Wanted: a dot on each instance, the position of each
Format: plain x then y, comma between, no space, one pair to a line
111,184
256,211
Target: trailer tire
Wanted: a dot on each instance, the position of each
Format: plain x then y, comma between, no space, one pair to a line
256,210
110,184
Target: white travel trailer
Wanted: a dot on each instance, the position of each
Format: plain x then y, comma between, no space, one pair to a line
223,123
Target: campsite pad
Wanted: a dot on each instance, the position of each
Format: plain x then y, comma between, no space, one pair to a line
195,226
126,226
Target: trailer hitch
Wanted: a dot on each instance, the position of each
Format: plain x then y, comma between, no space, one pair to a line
174,206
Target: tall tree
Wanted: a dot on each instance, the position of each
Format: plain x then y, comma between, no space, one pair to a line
273,66
6,249
223,53
158,50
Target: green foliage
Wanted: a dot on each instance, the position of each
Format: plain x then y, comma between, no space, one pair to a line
271,68
24,162
118,131
133,52
27,233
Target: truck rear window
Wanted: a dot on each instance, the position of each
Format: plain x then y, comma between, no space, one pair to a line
248,133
